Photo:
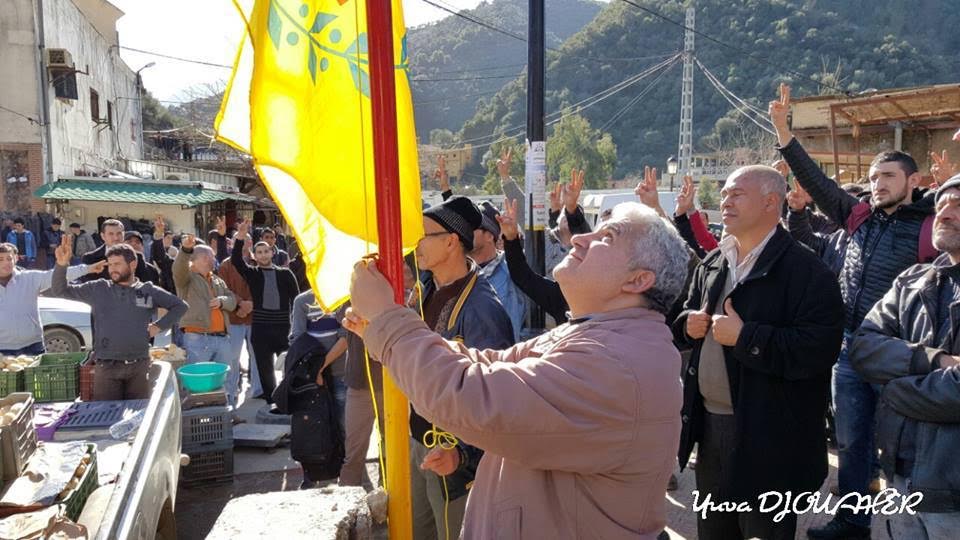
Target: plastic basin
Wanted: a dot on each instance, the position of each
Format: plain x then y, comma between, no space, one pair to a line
203,376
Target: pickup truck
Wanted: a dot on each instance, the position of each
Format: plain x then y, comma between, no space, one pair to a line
140,504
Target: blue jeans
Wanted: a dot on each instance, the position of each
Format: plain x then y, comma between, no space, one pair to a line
854,402
29,350
201,348
340,395
240,334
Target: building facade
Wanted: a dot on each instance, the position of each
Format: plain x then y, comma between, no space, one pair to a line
69,105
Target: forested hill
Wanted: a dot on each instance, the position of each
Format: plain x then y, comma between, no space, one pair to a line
848,45
458,61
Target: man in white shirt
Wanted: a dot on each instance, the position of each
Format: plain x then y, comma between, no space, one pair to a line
21,331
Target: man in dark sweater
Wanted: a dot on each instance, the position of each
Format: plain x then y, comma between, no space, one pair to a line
123,308
274,290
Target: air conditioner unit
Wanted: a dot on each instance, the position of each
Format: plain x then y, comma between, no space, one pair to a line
58,59
185,177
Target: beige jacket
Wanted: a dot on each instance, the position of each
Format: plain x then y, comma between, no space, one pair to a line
193,289
580,426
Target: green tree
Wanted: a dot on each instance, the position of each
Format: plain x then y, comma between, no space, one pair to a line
491,183
156,117
444,138
707,192
576,145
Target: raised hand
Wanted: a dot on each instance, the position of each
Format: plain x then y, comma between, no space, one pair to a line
779,110
685,199
571,195
798,198
508,220
556,197
159,226
942,169
441,173
243,228
646,190
782,167
503,164
64,251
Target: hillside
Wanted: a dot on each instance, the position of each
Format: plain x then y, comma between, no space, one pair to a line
454,48
875,43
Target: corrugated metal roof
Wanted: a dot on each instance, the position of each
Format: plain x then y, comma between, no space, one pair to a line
143,192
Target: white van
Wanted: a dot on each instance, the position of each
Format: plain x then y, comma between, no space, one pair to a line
595,203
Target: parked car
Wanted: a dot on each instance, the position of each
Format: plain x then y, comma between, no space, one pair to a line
66,325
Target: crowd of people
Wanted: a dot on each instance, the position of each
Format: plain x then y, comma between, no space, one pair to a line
671,347
819,302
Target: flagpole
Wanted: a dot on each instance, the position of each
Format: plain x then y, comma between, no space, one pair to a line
383,104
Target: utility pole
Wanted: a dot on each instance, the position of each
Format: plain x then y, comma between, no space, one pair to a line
536,159
685,150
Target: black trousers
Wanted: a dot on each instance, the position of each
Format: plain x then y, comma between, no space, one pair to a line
712,472
268,340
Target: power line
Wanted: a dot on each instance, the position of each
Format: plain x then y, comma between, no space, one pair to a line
468,78
643,93
744,52
178,58
728,94
21,115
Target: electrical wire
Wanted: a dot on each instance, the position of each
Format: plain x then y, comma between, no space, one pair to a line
716,80
723,92
21,115
177,58
746,53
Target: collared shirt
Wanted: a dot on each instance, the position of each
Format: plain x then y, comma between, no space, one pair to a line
18,303
730,250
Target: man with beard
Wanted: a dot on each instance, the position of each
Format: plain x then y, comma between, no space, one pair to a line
123,308
908,343
888,234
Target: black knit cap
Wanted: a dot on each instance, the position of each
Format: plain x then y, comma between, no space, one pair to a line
953,182
457,215
489,223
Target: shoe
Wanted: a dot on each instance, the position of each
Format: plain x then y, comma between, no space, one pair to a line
308,484
839,529
672,484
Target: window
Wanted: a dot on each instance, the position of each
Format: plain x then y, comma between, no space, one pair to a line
94,105
110,114
65,84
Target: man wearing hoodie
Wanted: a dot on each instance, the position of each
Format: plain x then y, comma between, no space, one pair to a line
886,238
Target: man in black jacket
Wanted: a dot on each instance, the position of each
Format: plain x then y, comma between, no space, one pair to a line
274,289
885,239
112,233
764,317
909,343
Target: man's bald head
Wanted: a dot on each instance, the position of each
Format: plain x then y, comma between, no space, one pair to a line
752,199
769,179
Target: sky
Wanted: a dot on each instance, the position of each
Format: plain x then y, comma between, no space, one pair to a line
207,30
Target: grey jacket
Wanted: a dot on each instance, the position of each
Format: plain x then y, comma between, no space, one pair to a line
919,408
120,314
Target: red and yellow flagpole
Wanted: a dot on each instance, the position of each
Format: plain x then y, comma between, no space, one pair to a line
383,104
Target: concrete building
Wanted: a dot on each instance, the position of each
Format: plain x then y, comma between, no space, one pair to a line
68,103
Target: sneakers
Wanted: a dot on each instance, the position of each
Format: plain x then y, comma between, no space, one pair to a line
839,529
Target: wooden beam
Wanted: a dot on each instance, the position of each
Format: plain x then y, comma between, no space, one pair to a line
833,139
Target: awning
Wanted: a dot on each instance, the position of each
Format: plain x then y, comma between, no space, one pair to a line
139,191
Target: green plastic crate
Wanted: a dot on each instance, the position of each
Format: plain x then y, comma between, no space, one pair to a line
88,483
55,377
10,382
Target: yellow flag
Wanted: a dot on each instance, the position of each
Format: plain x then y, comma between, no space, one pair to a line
299,103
